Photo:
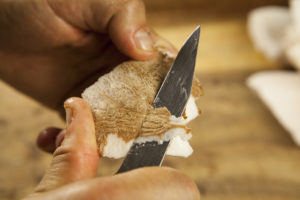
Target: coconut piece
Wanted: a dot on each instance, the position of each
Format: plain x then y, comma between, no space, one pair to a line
280,91
267,26
293,55
122,106
295,13
275,31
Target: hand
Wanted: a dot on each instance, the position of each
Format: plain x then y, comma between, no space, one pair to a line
75,162
53,49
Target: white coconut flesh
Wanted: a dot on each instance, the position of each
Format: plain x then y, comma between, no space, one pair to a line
275,31
292,37
267,27
116,147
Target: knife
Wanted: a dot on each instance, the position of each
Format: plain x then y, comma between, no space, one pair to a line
173,94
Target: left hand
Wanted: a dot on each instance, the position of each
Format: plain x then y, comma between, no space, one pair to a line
71,175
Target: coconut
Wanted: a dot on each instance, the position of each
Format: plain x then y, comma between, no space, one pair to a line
292,36
266,26
122,106
275,31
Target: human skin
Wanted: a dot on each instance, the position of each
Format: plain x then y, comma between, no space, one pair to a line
53,49
75,162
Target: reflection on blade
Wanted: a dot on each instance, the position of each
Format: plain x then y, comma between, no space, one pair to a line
176,88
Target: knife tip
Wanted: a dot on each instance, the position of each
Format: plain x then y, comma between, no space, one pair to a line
197,31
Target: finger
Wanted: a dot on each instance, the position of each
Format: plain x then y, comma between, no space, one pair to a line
46,139
129,31
164,46
60,138
152,183
124,21
77,156
50,138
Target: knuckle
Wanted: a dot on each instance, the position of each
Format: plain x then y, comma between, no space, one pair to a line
63,154
73,156
67,154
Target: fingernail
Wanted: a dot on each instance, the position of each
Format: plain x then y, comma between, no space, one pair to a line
143,40
69,112
166,48
68,116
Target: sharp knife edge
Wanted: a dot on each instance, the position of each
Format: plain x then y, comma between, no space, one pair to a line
173,94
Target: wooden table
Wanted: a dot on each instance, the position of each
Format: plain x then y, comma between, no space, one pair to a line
240,150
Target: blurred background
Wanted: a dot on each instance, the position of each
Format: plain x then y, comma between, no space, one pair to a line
240,149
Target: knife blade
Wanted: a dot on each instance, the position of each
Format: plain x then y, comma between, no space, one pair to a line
173,94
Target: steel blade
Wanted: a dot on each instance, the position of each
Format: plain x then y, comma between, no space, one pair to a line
173,94
176,88
144,154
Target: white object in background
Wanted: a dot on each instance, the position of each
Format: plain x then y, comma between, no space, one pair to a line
280,91
266,27
292,35
295,12
275,31
293,55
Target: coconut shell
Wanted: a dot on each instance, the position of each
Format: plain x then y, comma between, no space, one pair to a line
122,101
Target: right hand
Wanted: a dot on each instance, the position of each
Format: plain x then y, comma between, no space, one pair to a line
54,49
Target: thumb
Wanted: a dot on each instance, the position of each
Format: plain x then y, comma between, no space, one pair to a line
129,31
124,21
77,157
